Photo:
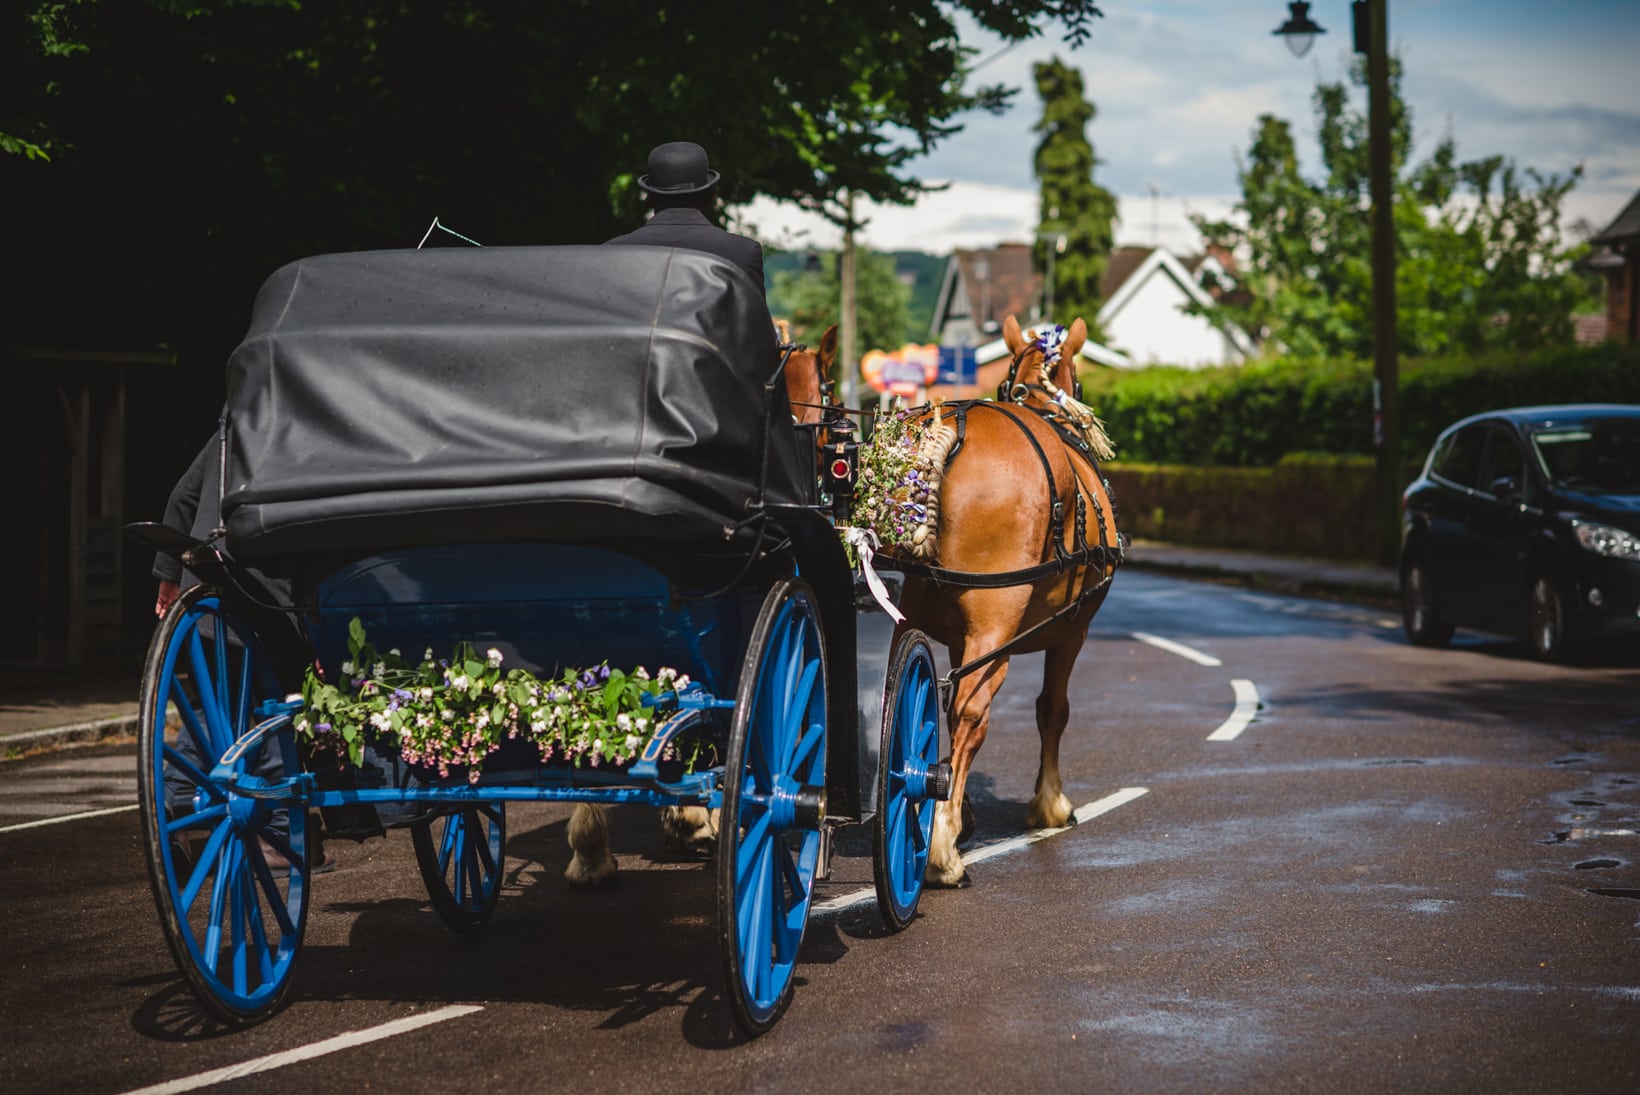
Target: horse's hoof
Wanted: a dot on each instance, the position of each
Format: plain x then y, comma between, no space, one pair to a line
962,883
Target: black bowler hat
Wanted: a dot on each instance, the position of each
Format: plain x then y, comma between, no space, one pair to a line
678,167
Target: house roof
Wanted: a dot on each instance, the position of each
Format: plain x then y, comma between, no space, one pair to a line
1123,262
999,283
1626,227
1159,261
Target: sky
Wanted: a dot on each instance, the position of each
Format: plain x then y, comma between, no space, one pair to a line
1179,86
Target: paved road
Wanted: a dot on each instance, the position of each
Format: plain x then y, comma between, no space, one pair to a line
1328,861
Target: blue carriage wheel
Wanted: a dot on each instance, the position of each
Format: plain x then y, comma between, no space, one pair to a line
906,778
773,805
461,854
229,872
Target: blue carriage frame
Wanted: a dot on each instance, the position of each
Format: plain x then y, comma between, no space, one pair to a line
624,557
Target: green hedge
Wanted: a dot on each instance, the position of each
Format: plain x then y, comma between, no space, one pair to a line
1252,415
1308,504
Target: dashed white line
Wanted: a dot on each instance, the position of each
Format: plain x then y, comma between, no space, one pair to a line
1246,708
304,1053
1177,648
66,817
1085,812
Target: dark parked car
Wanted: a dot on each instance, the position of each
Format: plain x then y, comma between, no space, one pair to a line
1526,521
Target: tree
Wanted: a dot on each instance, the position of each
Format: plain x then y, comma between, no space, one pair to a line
1072,204
811,299
169,154
1479,259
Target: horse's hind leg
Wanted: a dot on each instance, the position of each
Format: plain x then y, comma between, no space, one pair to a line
592,867
970,719
1049,807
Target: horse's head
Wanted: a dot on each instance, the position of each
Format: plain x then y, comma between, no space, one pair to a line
808,371
1042,375
1050,354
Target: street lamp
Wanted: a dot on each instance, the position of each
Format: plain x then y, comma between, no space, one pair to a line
1370,23
1299,30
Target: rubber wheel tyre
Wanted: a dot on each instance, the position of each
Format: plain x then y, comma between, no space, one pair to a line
910,750
768,852
1424,626
1547,620
461,855
230,872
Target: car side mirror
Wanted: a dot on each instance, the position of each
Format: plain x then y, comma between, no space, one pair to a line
1505,488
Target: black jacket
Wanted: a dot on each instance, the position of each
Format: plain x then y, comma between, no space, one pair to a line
681,226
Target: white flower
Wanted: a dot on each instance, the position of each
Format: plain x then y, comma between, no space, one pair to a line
347,668
446,714
666,674
378,669
459,682
641,673
395,652
682,682
632,743
624,721
425,695
428,656
493,656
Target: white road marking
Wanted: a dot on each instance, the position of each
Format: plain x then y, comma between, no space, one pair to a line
1246,708
1177,648
69,817
304,1053
1086,812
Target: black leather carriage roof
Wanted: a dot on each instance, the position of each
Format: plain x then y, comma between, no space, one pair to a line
391,398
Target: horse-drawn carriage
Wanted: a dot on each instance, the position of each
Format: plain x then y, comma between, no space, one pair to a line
585,461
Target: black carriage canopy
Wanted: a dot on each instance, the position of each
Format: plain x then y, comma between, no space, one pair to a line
392,398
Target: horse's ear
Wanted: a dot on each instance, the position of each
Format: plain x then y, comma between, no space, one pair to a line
1011,334
828,348
1074,338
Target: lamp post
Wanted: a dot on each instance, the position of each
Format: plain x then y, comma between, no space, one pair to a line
1058,240
1370,23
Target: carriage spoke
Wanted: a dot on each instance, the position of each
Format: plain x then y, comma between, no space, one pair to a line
195,820
205,866
190,718
215,721
194,774
447,843
237,918
807,750
470,862
212,945
219,648
276,900
486,860
752,842
242,701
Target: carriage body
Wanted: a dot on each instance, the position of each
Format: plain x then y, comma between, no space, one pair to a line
572,455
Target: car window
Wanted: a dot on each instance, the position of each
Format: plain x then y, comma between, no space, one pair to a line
1602,455
1459,461
1504,457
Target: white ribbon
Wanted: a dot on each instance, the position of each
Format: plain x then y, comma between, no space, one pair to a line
863,540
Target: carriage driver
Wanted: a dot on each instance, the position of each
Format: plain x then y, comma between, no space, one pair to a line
679,189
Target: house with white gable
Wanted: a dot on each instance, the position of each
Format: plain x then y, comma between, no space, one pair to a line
1148,293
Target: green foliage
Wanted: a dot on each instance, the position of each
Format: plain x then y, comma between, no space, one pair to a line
1255,414
812,300
196,145
1479,261
1072,204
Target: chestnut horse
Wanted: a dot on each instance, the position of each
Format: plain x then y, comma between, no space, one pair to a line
1019,462
692,830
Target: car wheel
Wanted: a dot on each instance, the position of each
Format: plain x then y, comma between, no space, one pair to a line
1548,620
1423,622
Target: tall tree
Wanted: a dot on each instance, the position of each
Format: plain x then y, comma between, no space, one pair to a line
1073,206
1479,257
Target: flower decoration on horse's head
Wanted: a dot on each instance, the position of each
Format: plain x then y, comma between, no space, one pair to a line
1051,338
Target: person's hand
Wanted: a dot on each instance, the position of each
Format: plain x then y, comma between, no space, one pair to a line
168,592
